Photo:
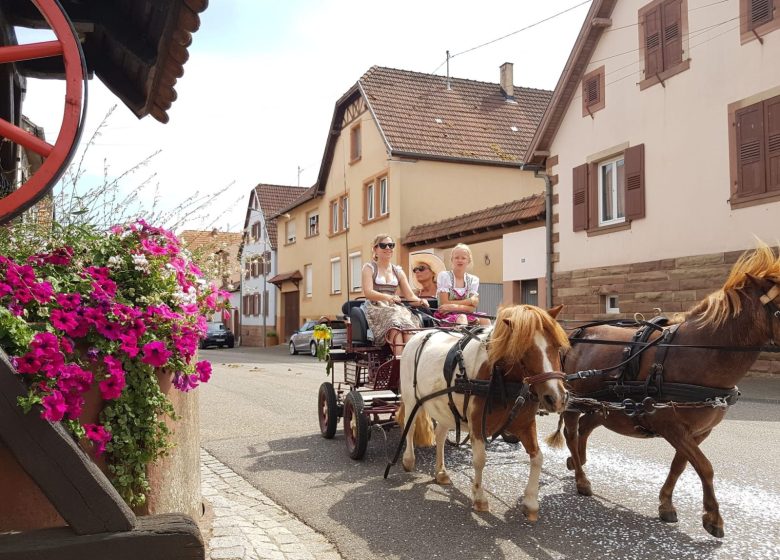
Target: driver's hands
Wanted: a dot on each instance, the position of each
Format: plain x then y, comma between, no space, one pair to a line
395,299
424,302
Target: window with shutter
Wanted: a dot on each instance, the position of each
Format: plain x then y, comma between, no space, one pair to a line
757,13
754,150
593,91
635,182
580,197
247,271
663,37
256,304
609,193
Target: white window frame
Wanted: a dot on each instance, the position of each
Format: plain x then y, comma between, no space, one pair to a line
370,201
611,304
308,280
335,211
289,232
313,219
617,191
355,272
384,208
345,212
335,275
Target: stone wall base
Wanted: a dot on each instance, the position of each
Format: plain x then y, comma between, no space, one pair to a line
668,286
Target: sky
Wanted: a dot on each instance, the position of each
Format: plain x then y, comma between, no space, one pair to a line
259,89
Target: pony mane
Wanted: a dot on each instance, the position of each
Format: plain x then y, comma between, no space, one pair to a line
514,331
717,307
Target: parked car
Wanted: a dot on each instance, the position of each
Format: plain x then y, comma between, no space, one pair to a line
302,340
218,334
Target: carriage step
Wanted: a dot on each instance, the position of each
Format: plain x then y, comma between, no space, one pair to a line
369,396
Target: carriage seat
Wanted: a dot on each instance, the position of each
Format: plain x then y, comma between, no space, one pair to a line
361,334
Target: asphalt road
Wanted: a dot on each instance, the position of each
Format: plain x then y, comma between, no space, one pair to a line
258,415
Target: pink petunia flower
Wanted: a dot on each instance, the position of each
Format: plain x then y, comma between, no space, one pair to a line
203,368
155,353
98,435
54,407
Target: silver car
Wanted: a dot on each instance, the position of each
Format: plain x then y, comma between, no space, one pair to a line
302,340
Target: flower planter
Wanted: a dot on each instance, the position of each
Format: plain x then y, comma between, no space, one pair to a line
271,340
174,480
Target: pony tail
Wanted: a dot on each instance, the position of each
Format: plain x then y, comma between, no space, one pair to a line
555,439
423,426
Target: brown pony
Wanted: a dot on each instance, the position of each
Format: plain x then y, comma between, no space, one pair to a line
525,344
743,314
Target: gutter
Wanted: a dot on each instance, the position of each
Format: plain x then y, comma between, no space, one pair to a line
541,173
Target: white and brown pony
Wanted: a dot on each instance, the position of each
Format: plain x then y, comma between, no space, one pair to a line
524,345
713,348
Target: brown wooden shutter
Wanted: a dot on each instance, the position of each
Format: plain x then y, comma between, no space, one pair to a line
672,38
761,11
751,169
256,304
265,303
592,91
634,161
247,270
593,195
654,63
580,197
772,129
245,305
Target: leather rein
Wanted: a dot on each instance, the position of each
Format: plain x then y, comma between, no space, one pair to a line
493,390
654,386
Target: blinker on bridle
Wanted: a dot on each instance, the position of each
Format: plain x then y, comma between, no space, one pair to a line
768,300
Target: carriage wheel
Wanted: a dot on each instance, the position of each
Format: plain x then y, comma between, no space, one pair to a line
355,425
56,157
328,410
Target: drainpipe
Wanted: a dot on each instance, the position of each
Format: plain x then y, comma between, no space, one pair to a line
541,173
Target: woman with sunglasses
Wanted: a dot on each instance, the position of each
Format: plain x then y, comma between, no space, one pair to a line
425,268
384,285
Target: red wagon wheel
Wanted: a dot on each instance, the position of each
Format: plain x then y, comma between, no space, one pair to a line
56,157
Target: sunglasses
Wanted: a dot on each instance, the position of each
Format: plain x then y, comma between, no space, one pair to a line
420,269
386,245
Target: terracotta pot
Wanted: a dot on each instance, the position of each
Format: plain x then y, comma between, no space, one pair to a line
271,340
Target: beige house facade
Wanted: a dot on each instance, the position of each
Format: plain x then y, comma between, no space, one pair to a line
662,142
406,156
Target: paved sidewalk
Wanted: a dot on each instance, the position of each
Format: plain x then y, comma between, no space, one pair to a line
246,525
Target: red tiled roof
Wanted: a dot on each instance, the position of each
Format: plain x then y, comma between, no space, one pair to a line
472,120
292,276
521,211
212,241
273,199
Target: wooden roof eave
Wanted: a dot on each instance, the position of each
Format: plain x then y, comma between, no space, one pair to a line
592,28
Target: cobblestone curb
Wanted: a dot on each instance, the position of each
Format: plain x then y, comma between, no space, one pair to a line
247,525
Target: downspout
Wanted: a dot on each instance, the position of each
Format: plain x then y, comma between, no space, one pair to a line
541,173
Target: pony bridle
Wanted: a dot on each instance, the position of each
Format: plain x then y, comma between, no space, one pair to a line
542,377
768,299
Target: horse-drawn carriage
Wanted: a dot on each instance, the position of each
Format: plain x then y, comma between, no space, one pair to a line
368,393
672,379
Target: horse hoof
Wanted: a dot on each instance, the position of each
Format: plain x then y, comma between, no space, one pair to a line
531,516
408,467
569,464
714,530
668,516
443,479
481,505
584,489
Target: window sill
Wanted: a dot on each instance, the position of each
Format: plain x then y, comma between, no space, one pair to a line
609,229
355,160
665,75
753,200
337,233
312,235
336,293
374,220
760,31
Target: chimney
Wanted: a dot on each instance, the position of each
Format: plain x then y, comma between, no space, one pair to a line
507,87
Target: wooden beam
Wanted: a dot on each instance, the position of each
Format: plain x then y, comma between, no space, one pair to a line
601,22
77,489
171,536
